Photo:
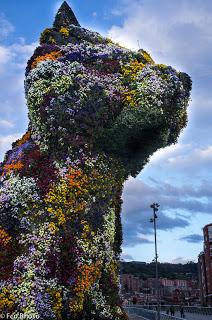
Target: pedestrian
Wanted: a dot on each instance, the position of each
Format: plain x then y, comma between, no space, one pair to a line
134,300
172,311
182,315
167,310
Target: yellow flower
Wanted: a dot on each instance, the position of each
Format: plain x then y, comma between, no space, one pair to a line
147,57
68,196
57,302
130,73
7,300
64,31
4,238
53,227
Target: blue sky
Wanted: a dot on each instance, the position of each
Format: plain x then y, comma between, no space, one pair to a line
176,33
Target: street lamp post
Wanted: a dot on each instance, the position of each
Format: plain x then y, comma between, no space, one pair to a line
155,207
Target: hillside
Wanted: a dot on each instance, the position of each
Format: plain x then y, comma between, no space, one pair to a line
166,270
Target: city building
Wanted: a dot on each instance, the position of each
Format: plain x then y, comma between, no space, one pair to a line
202,278
130,283
170,290
205,267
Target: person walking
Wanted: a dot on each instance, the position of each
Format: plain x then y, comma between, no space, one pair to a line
182,315
172,311
134,300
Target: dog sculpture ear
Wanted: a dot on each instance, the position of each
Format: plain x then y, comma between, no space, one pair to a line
65,17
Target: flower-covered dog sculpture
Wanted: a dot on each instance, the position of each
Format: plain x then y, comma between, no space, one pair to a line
97,112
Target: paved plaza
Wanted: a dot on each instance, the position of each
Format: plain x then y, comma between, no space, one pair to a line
188,316
194,316
136,318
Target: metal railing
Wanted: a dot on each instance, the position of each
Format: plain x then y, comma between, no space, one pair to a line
190,309
164,316
138,311
147,313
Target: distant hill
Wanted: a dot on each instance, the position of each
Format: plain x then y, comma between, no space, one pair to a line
166,270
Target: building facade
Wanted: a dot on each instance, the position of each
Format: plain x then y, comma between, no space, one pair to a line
170,290
130,283
205,267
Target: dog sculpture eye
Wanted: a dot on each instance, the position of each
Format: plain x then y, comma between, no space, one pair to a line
97,112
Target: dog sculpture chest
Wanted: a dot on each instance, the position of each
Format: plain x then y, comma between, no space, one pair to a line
97,112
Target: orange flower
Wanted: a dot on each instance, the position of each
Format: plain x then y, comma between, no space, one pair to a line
14,166
87,277
25,138
54,55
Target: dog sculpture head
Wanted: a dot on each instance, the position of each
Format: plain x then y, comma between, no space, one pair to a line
83,90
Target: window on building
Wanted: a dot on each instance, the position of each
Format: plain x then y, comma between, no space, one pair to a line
210,233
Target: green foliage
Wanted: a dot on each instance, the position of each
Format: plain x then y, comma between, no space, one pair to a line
166,270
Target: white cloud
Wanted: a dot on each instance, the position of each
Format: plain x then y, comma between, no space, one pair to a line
22,48
6,124
174,32
169,152
184,159
126,256
6,142
180,260
15,56
13,112
195,159
179,205
5,27
5,55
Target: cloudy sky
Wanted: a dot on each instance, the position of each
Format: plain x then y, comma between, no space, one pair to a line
179,178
